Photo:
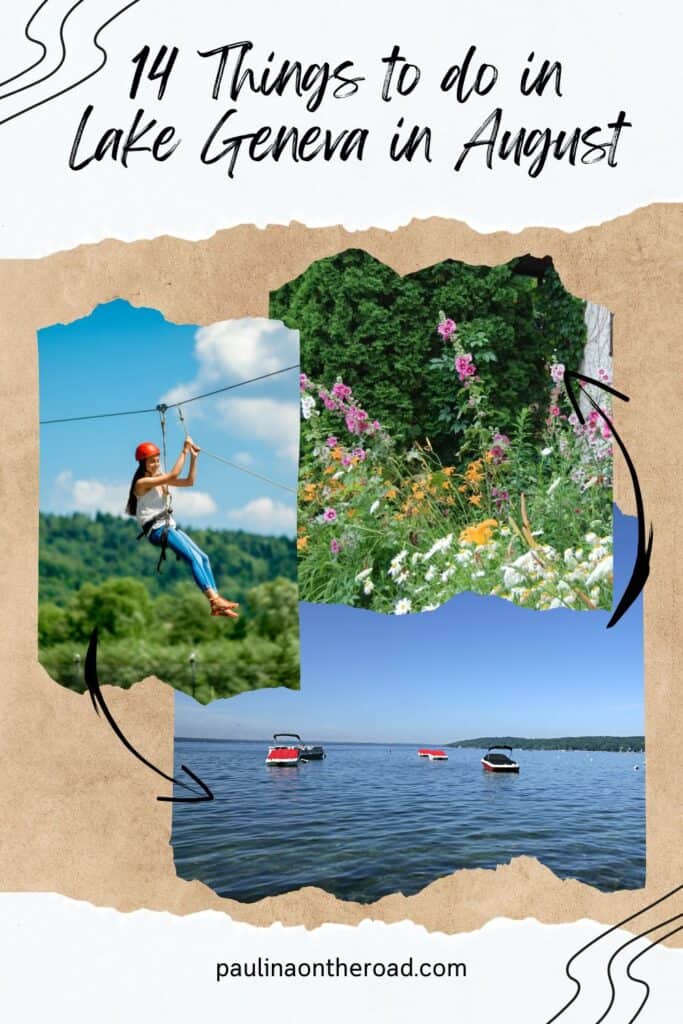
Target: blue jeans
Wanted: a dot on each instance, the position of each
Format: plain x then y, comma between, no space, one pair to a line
184,546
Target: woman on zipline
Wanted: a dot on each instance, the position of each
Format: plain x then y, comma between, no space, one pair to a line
149,502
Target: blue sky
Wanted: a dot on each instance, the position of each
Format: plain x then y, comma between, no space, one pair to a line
121,358
477,666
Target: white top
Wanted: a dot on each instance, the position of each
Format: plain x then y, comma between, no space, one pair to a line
151,505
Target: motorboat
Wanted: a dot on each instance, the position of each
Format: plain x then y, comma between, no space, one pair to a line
433,755
499,762
283,753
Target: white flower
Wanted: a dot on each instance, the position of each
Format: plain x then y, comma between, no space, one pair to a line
402,607
463,557
396,563
446,575
307,405
590,538
554,485
430,607
368,587
546,451
601,570
430,574
402,576
478,575
363,574
442,544
374,507
555,603
569,558
511,578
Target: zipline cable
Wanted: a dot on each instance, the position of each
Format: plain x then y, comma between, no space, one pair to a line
234,465
172,405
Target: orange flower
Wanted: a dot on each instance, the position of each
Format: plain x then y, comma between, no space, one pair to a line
474,473
391,493
446,485
462,488
301,543
336,453
475,499
448,470
479,534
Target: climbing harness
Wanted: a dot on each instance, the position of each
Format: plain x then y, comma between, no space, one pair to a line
164,519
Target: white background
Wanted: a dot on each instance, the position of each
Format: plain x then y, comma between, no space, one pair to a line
66,959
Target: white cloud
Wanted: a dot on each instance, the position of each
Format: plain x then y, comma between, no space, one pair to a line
264,515
102,496
235,350
265,419
242,458
191,504
92,495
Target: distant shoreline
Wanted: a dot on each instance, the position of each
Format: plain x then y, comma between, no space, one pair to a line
606,744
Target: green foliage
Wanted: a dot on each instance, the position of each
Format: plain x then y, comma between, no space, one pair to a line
144,630
76,549
609,743
359,320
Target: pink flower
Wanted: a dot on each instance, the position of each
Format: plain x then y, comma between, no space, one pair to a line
304,382
465,367
554,410
557,372
497,454
328,402
331,442
341,390
346,460
375,425
335,546
502,439
330,515
446,328
359,453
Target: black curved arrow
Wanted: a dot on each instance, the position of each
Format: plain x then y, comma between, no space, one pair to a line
641,568
92,682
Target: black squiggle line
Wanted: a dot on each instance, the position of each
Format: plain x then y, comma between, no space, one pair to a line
597,938
30,38
641,981
98,702
37,81
641,568
615,954
85,78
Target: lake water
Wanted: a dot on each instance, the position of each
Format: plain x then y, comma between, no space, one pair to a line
373,819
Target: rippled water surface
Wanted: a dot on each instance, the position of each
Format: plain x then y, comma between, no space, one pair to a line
374,819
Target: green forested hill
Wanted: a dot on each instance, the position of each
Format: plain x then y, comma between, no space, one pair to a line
93,573
614,743
75,549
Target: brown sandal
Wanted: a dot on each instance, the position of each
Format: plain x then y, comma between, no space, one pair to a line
219,606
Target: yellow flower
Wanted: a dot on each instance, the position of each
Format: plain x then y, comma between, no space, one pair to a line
301,543
479,534
448,470
474,473
475,499
391,493
446,485
419,495
462,488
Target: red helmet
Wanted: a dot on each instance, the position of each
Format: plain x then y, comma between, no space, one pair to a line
146,450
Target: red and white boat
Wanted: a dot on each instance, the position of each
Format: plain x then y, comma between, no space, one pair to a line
433,755
285,754
499,762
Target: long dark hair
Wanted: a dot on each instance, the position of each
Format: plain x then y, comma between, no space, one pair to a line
132,503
